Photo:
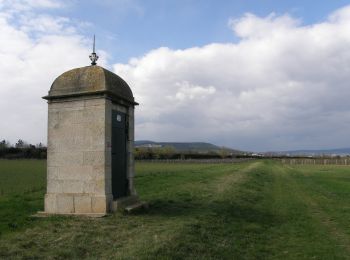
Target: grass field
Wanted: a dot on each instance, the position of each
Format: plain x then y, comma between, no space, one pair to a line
252,210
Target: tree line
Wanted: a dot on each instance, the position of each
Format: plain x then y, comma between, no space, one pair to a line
22,150
169,152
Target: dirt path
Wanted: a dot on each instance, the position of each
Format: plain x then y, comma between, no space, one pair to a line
227,182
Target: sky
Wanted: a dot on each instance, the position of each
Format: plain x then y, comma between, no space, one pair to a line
257,75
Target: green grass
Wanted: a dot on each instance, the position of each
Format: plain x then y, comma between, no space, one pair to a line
253,210
22,187
20,176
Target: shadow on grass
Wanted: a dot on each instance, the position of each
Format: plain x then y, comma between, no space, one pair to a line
214,229
236,211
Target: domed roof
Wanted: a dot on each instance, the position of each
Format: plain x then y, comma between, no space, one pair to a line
90,80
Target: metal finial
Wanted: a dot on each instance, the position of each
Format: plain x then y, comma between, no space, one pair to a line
93,48
93,56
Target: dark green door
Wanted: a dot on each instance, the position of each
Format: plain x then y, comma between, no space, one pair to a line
119,139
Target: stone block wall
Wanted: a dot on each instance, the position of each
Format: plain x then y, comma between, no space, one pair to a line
76,163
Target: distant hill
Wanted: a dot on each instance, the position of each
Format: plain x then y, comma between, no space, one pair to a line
184,146
340,151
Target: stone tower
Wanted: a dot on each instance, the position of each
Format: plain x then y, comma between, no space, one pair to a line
90,164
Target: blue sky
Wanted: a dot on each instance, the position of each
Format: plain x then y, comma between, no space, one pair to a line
251,75
127,28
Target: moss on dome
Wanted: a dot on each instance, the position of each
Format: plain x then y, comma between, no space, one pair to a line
90,80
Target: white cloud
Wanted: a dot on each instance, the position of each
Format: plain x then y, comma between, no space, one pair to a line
30,63
283,85
188,91
44,3
15,6
253,26
46,23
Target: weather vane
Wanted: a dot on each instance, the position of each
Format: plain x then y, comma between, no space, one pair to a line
93,56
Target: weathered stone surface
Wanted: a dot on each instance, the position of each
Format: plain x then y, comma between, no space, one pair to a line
100,204
98,172
65,204
67,104
82,204
94,158
89,80
95,102
89,187
118,107
50,203
60,159
70,186
108,186
75,173
54,186
79,165
52,172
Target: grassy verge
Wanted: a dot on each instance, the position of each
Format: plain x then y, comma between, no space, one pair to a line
253,210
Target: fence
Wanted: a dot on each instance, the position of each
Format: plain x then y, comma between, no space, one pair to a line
317,161
228,160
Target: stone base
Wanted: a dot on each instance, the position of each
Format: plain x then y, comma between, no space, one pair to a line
125,203
136,207
42,214
68,204
75,203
